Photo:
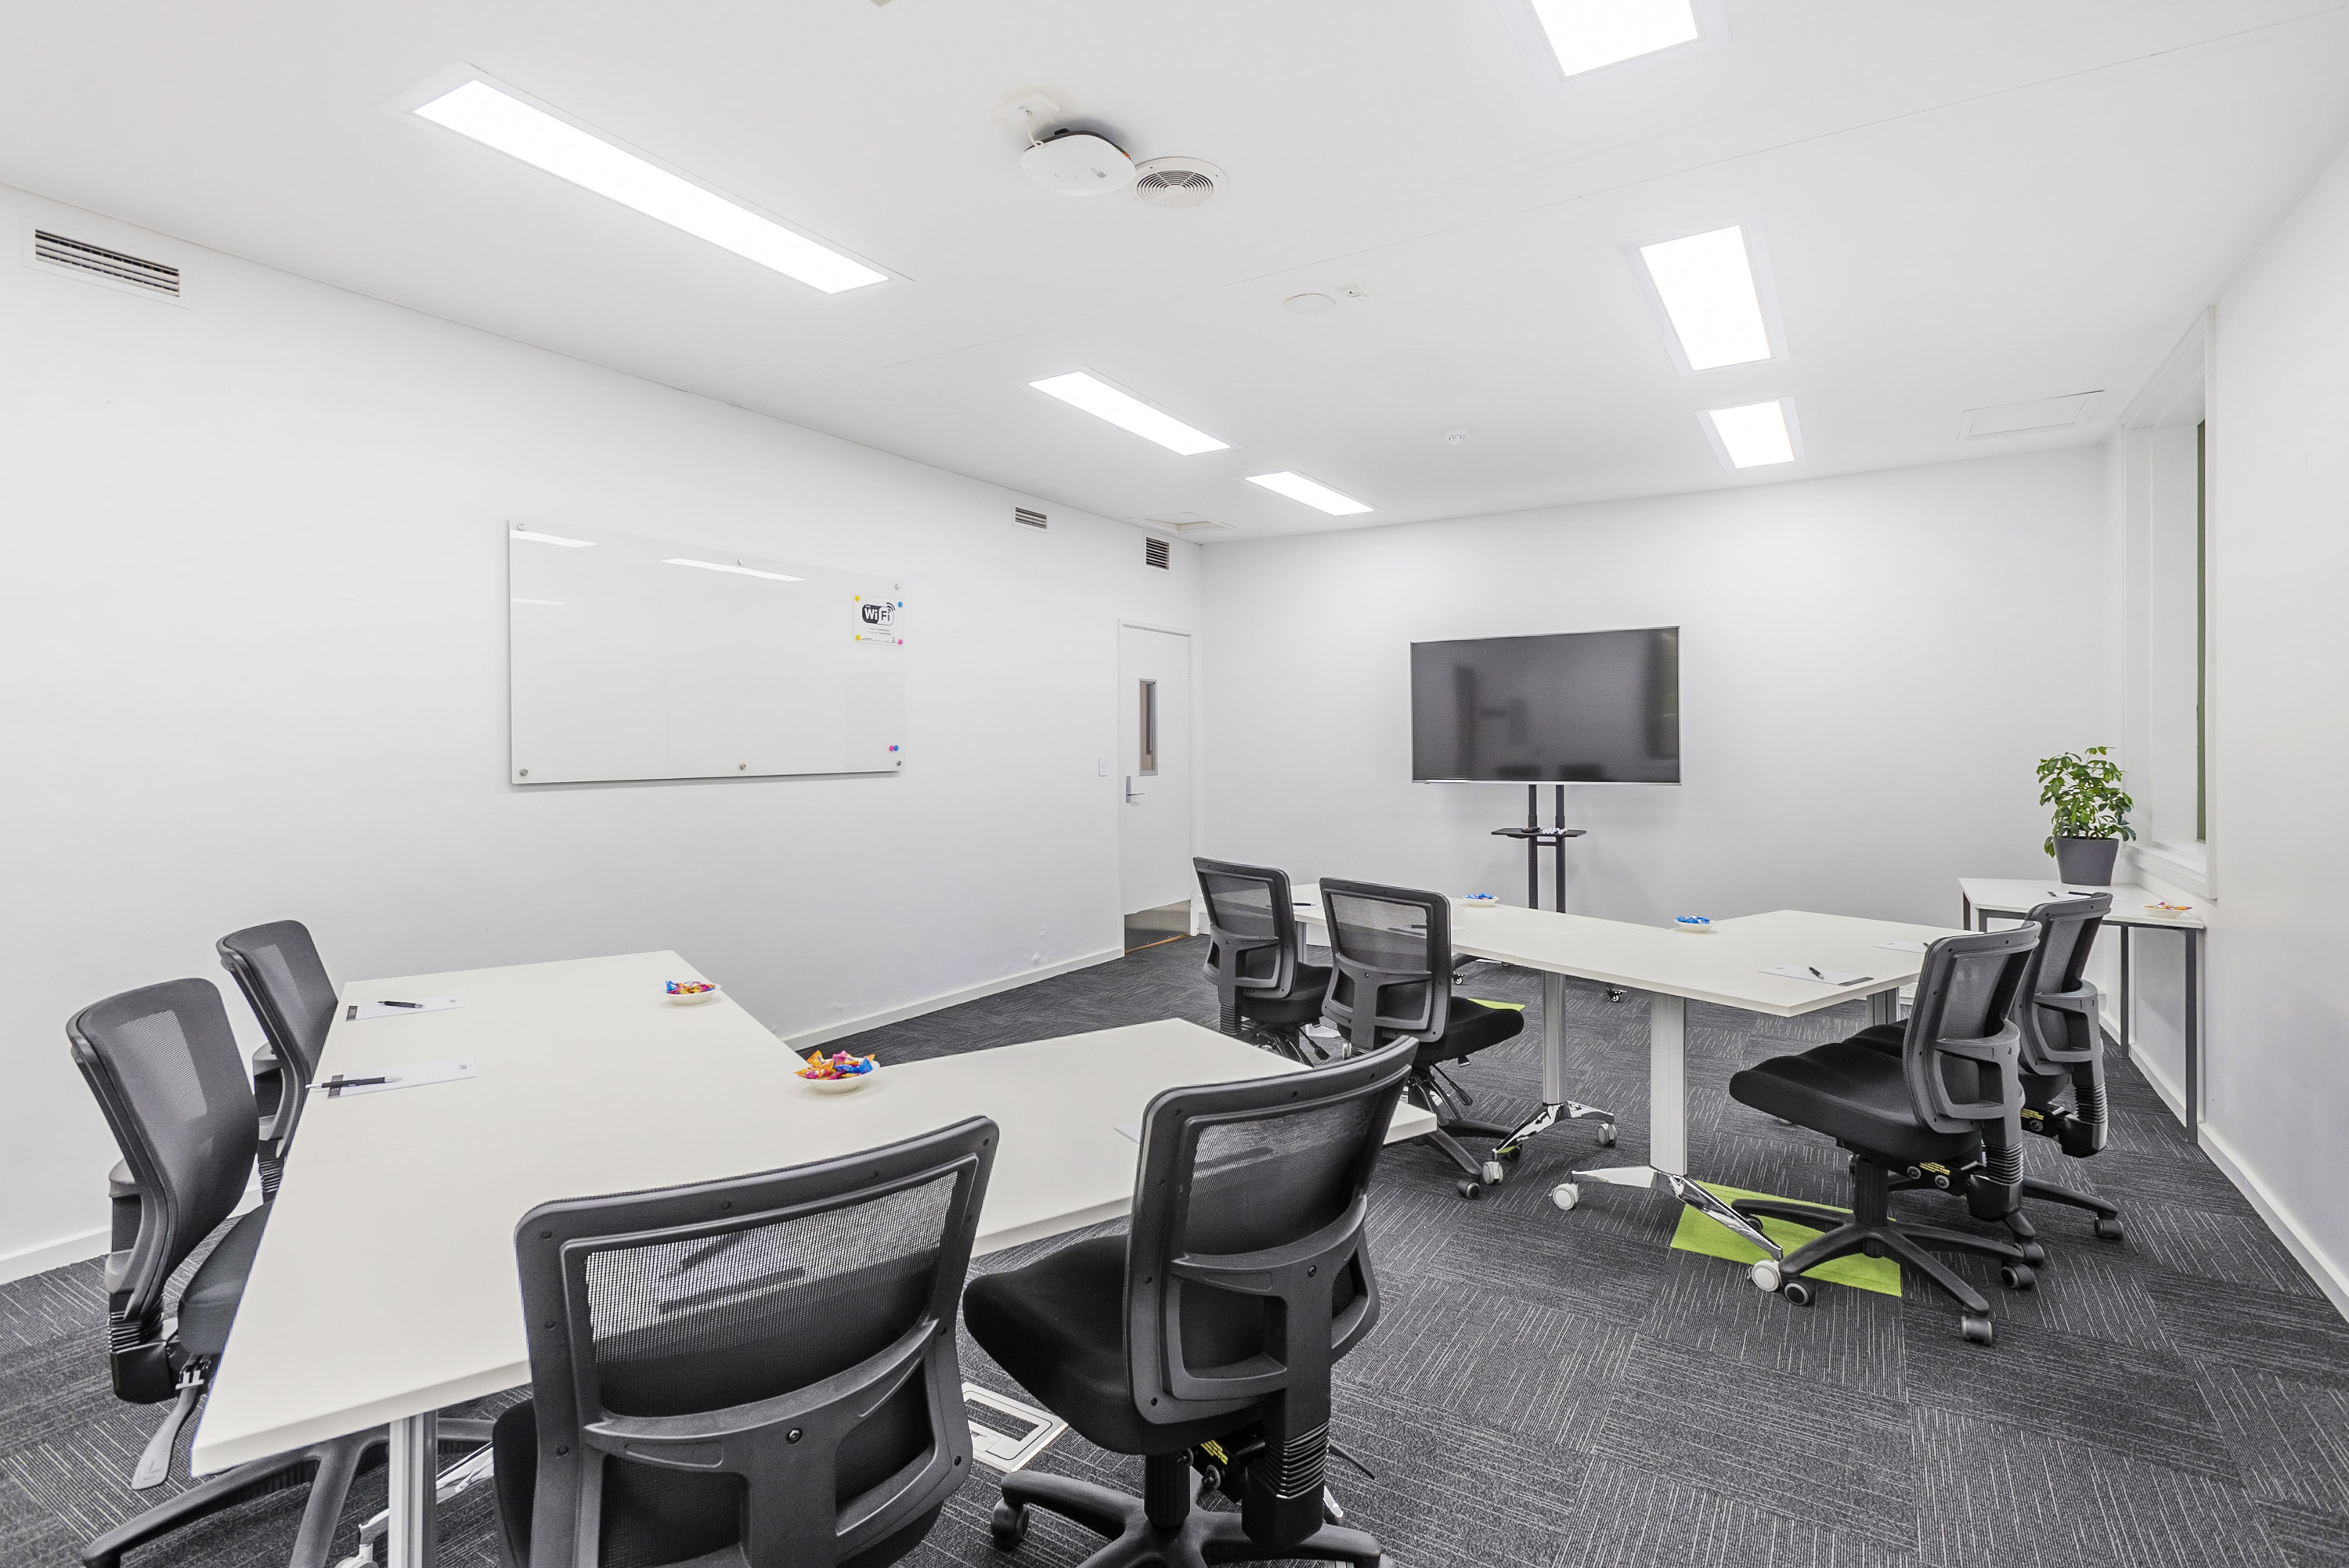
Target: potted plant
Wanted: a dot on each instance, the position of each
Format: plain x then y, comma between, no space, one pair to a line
2091,814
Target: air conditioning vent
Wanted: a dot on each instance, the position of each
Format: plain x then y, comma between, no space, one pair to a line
1159,553
1028,517
56,250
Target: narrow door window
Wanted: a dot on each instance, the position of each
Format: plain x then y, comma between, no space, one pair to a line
1149,720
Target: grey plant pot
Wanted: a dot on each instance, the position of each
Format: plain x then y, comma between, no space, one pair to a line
2086,863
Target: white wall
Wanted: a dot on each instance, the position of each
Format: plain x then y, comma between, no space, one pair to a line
253,664
2278,1055
1869,668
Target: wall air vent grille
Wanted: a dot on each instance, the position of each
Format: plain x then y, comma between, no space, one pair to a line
79,255
1159,553
1028,517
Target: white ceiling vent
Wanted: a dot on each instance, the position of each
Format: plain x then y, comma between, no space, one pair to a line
1188,523
79,256
2013,419
1159,553
1175,181
1028,517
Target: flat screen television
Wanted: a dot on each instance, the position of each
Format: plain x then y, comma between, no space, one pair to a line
1578,708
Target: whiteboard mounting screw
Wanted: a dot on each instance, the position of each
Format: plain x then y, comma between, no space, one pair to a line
741,767
525,773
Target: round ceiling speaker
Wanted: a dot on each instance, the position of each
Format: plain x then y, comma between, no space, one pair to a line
1078,163
1175,181
1309,305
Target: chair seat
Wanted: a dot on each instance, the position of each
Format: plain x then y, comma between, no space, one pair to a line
1058,1326
1302,1005
1468,1027
1856,1093
208,1304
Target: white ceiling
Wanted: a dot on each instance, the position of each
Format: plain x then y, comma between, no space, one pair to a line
1964,204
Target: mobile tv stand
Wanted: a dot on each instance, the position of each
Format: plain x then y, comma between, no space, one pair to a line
1536,836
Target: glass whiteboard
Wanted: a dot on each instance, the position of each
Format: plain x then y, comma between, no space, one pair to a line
647,658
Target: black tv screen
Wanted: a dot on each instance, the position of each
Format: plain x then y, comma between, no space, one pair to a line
1579,708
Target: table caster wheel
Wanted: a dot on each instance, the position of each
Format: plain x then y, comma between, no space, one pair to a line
1975,1328
1764,1275
1493,1173
1797,1293
2032,1253
2108,1230
1008,1524
1566,1194
2017,1277
1606,1135
1469,1189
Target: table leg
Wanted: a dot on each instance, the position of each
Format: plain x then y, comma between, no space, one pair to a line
415,1462
1554,1104
1884,1006
2127,1023
2193,1032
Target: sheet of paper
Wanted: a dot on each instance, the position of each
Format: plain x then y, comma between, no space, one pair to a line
1816,975
1905,946
1131,1129
360,1012
409,1077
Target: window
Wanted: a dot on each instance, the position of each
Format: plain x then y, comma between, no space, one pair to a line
1149,717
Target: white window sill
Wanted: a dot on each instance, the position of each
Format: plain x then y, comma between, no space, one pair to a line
2185,867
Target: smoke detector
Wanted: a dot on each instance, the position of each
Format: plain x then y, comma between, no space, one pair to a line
1078,163
1175,182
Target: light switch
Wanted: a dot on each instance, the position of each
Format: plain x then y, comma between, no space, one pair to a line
1101,767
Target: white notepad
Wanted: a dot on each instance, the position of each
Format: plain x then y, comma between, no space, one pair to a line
1131,1129
1816,976
1905,946
360,1012
410,1076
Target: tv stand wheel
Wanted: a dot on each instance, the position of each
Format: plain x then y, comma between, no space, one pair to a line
1606,1135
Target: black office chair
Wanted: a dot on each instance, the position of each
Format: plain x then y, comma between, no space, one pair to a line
2061,1049
1948,1106
759,1372
1256,957
1386,946
1204,1338
163,1064
277,967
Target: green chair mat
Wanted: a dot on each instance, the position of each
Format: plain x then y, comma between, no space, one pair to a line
1700,1233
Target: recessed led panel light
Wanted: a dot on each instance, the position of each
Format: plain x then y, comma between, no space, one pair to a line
1587,34
1756,435
498,120
738,568
530,537
1083,389
1705,284
551,604
1297,487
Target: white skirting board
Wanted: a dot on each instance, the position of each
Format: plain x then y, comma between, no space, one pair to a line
810,1039
2330,1276
52,1255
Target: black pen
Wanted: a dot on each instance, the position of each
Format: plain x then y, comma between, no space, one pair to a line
1814,971
400,1004
332,1084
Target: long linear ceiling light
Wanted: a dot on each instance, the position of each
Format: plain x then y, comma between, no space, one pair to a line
1705,284
1756,435
739,570
1297,487
530,537
1587,34
500,120
1083,389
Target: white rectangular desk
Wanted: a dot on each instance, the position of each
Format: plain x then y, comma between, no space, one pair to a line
1723,965
386,1286
1985,899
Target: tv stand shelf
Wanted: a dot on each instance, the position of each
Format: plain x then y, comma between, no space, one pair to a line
1539,838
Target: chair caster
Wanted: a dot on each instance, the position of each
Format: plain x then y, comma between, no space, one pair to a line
2032,1253
1566,1194
1513,1153
1469,1189
1975,1328
2017,1277
1798,1293
2108,1230
1606,1135
1493,1173
1764,1275
1008,1524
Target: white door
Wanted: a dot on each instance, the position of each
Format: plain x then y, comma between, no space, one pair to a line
1153,721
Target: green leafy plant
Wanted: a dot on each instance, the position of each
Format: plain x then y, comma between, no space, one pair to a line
2085,791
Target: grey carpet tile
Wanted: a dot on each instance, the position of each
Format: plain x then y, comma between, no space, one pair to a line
1849,1339
1632,1516
2290,1438
1996,1496
2308,1538
2135,1179
2087,1287
2293,1336
48,1306
2154,1129
2126,1400
1579,1270
1834,1458
2238,1248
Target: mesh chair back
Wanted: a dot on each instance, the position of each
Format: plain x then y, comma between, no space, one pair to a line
1247,1274
163,1064
764,1364
2060,1026
1251,933
1390,960
1962,1044
277,967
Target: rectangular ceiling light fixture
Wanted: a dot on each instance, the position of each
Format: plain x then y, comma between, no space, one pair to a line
500,120
1297,487
1083,389
738,568
1756,435
1587,34
529,538
1706,285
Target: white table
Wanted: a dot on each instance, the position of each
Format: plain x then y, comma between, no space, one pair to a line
1985,899
1723,965
386,1285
